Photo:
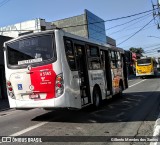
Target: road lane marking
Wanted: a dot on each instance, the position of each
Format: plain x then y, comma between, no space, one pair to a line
28,129
137,83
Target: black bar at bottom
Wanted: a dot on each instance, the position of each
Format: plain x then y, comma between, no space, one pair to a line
79,139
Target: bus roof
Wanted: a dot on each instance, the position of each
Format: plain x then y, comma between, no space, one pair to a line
103,45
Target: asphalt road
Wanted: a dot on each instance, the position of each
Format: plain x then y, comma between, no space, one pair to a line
132,115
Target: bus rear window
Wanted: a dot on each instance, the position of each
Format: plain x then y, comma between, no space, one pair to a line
30,50
143,61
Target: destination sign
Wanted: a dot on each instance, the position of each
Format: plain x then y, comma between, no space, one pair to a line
29,61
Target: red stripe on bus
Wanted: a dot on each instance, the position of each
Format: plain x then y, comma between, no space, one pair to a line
43,80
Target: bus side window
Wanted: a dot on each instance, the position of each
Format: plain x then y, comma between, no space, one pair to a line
102,56
113,59
93,58
116,61
119,55
119,60
70,54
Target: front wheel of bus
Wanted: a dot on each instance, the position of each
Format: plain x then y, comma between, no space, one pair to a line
97,98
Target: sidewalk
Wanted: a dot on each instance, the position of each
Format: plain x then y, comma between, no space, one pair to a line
4,105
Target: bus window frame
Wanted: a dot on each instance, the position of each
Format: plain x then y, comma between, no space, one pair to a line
92,58
86,45
73,51
115,59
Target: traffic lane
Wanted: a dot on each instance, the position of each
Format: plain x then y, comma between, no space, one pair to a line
134,81
95,119
125,116
150,84
12,121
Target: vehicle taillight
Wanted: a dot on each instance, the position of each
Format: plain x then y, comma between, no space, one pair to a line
8,83
59,85
10,90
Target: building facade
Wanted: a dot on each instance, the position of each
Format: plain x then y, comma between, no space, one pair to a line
26,27
86,25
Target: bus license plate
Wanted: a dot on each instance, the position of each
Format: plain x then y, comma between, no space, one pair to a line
34,96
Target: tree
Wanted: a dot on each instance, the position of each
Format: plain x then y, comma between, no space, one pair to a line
138,51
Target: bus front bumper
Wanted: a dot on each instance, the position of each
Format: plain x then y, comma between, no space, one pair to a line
145,74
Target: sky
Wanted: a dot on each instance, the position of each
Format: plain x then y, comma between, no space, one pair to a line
16,11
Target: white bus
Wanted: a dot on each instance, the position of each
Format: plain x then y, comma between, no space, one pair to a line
55,69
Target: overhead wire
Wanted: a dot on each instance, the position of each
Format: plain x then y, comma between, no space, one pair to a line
153,49
147,46
129,25
120,24
127,22
151,52
94,22
109,20
102,31
132,32
151,46
104,21
4,2
136,32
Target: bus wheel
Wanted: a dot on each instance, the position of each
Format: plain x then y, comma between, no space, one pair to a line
97,98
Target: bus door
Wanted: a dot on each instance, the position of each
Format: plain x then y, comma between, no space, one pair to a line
108,72
125,73
83,74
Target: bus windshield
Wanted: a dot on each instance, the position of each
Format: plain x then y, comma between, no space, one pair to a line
143,61
30,50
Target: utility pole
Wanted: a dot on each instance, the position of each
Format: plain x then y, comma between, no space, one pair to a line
156,13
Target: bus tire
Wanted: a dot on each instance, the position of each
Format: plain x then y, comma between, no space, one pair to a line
97,99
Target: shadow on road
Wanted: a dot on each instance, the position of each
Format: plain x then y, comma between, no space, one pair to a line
138,106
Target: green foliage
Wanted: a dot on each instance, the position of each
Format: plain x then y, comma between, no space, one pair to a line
138,51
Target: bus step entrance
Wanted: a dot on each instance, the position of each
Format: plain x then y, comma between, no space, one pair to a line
84,100
84,97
